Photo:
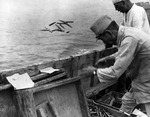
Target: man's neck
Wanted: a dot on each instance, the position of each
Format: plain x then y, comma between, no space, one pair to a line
129,6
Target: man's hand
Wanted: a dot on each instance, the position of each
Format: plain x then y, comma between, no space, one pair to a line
87,72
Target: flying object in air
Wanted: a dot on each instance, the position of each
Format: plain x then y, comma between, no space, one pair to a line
60,26
65,23
52,23
46,29
58,29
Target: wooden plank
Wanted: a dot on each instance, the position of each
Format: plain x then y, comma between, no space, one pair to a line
94,61
74,66
53,109
38,77
45,110
82,100
99,87
55,84
50,79
41,112
7,107
4,87
25,103
85,60
63,64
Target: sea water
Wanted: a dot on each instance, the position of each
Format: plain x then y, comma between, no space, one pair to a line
22,42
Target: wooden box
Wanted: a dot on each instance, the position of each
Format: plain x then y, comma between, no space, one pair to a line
64,98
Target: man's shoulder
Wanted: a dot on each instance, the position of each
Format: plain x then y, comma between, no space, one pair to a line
139,8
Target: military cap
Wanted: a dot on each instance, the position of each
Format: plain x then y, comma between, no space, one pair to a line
101,25
115,1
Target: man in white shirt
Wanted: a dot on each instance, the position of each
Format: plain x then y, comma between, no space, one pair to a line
133,15
133,48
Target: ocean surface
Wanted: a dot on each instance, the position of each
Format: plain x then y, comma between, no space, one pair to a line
22,42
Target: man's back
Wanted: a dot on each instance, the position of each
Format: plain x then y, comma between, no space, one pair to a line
141,61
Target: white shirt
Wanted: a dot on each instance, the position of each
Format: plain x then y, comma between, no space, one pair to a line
137,17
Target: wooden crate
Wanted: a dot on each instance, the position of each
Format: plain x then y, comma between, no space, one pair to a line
71,65
64,98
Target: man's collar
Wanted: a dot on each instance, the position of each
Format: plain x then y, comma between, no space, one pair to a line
131,8
120,35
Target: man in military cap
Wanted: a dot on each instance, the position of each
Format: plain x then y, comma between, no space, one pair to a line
133,48
133,15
